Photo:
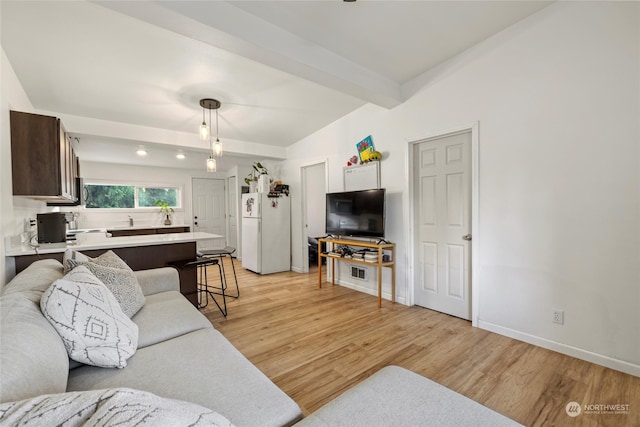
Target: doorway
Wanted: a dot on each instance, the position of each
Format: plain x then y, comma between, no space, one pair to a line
314,189
208,197
232,209
444,211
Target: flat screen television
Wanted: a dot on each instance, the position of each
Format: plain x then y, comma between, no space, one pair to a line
356,213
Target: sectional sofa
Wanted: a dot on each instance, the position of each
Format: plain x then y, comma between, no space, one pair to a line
179,355
183,372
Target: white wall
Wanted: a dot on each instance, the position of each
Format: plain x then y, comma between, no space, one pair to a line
13,210
557,101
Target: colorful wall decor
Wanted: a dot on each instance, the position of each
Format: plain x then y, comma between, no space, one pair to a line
365,146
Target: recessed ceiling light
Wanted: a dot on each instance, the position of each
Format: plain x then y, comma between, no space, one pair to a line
141,152
181,156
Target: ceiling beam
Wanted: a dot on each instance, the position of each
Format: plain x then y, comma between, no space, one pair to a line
220,24
88,127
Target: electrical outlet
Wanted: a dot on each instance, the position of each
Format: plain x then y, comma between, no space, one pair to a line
558,317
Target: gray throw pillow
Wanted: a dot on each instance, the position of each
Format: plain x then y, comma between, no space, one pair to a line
107,259
70,254
123,283
110,259
89,320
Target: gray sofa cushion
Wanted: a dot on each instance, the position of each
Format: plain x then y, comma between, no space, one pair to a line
35,279
167,315
33,358
158,280
395,396
200,367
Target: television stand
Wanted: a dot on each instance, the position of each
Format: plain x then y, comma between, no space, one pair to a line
379,263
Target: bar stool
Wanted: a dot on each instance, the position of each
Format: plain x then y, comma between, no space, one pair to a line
220,254
203,287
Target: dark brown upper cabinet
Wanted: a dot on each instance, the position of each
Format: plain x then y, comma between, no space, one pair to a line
43,161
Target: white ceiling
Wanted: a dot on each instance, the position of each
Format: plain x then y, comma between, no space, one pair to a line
124,74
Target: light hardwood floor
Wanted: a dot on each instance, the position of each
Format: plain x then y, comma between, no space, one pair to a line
317,343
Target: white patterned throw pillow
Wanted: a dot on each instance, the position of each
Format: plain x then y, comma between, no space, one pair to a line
93,327
118,406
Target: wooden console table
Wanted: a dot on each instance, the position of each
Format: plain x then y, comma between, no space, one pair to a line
380,248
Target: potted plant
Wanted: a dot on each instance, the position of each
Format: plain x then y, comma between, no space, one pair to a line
252,179
166,210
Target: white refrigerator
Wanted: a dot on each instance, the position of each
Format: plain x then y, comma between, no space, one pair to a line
266,233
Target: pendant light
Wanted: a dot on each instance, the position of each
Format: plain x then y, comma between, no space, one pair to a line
211,164
216,149
204,129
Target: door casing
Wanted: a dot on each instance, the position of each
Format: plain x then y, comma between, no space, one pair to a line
410,225
303,213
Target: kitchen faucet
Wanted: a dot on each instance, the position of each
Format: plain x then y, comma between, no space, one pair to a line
130,221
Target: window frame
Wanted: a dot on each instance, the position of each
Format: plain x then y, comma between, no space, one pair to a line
137,185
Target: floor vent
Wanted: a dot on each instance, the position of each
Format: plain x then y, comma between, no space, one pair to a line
359,273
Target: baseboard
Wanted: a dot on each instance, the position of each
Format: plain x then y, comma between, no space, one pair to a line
363,289
297,269
599,359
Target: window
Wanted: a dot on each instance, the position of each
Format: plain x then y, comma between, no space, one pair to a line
108,196
148,196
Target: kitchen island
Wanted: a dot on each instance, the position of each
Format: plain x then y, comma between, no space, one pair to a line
139,252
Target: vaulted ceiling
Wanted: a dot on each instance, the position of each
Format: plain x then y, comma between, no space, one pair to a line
125,74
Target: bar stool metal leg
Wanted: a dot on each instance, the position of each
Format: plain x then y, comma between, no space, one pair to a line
235,278
222,288
220,254
203,285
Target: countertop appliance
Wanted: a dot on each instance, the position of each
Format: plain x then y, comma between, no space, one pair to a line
52,227
266,233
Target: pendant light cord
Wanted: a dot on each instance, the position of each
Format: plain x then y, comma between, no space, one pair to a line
210,141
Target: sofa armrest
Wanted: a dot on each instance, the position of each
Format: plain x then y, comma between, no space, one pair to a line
158,280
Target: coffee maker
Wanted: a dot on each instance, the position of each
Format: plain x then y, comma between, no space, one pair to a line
52,227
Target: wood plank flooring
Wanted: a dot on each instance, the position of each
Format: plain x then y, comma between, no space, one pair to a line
317,343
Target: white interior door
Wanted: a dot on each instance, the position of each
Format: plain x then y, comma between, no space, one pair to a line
232,236
442,176
208,206
313,206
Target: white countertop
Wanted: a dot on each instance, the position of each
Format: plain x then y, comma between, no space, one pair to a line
89,241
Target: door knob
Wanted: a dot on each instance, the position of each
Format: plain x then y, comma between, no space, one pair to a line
466,237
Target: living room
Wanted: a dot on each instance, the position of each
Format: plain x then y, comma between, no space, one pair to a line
562,84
